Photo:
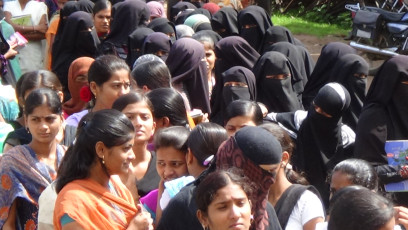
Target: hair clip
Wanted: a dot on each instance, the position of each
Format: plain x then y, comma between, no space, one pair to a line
208,160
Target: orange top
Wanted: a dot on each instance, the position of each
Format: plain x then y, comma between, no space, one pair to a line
93,206
49,36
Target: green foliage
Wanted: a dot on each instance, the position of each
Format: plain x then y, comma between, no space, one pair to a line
299,25
321,14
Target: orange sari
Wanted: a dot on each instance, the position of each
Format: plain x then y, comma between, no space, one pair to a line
93,206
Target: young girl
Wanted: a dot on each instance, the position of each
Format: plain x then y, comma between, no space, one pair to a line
90,194
26,170
143,176
171,149
102,17
241,113
109,78
223,200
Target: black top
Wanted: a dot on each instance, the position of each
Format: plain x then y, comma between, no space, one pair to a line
150,180
384,116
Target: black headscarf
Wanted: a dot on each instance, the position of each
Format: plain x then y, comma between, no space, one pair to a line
279,34
163,25
257,16
129,15
69,8
343,72
277,95
201,11
155,42
323,69
76,41
292,52
225,22
319,142
385,112
230,51
86,5
188,68
232,93
250,147
179,7
135,44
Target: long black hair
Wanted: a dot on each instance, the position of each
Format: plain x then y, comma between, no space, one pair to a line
111,127
169,103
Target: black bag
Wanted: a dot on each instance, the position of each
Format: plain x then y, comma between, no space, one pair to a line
367,24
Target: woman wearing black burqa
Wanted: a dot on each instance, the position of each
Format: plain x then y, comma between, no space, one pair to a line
253,22
79,39
276,83
330,54
225,22
384,117
238,83
351,71
322,140
127,17
230,51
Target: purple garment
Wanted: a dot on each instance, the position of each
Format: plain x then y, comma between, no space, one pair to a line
74,118
186,62
150,200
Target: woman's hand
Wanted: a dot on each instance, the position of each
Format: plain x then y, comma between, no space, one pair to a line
401,216
142,221
11,53
403,172
42,27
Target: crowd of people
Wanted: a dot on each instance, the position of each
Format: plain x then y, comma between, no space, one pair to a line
174,115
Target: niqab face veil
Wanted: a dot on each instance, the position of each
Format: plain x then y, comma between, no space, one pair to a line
231,93
135,44
319,142
253,22
230,51
78,41
348,71
278,95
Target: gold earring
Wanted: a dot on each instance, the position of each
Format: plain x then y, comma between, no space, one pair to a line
103,159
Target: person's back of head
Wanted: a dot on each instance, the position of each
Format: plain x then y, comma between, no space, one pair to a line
205,139
244,108
361,209
152,75
359,172
168,103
